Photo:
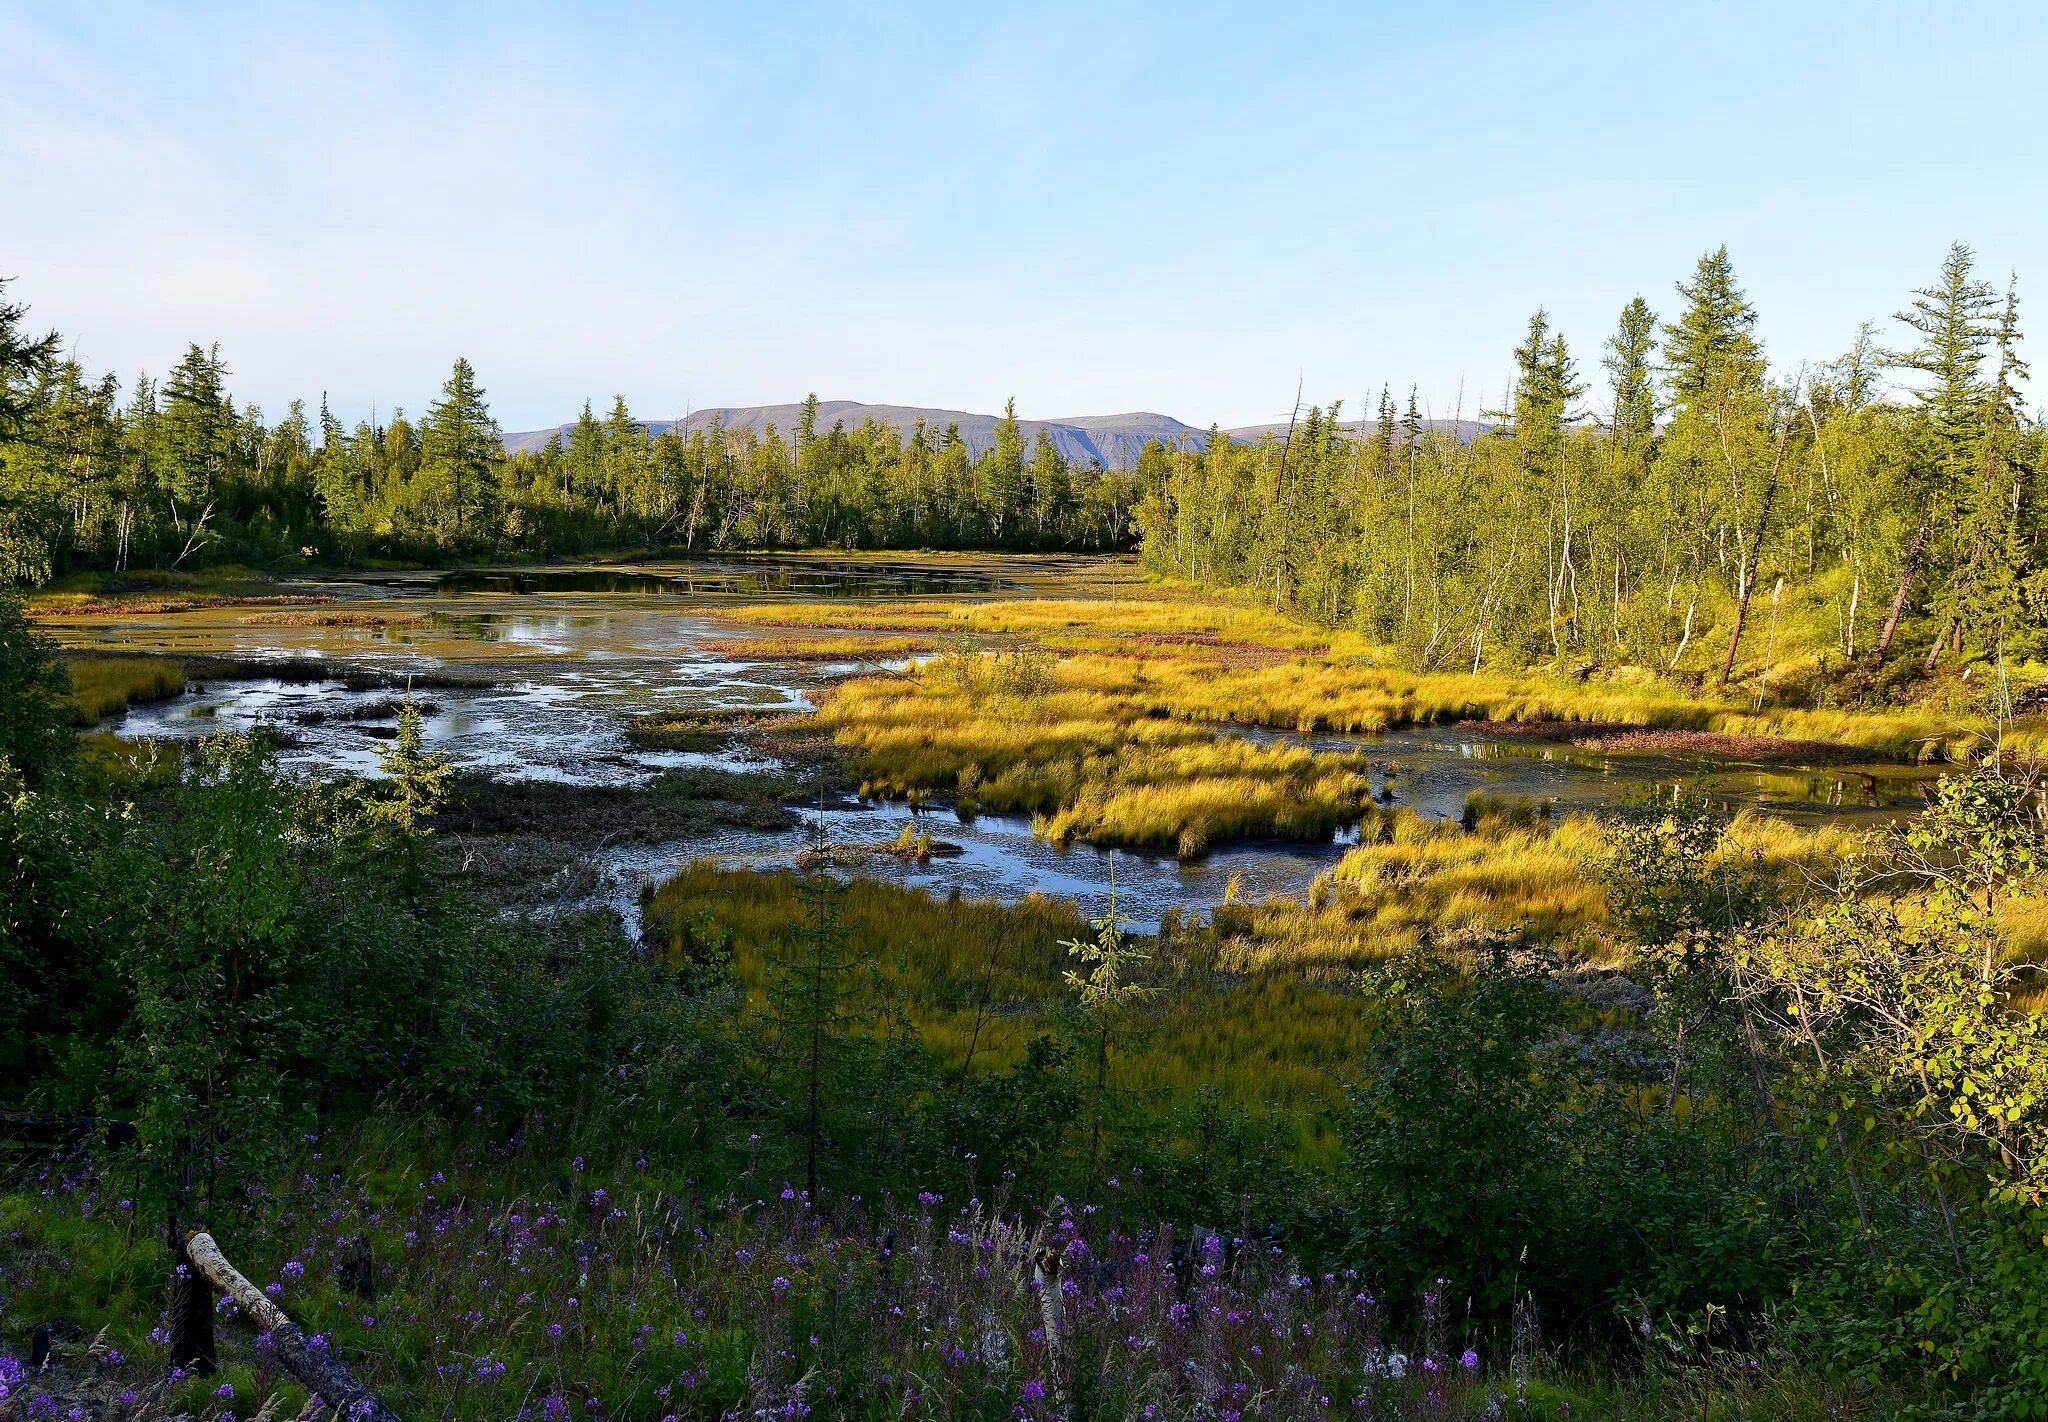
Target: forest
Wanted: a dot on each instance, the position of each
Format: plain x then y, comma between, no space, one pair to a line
174,475
1884,508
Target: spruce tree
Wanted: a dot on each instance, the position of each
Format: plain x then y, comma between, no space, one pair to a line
1629,353
1956,320
1002,471
1546,385
1712,350
1383,438
23,360
817,986
195,427
334,473
460,451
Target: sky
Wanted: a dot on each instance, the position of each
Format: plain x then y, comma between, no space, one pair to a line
1177,207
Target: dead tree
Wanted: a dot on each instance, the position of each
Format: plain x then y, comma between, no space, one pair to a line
323,1374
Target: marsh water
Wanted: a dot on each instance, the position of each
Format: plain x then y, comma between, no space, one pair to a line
533,674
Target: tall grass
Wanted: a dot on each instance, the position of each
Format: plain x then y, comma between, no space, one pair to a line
1216,661
979,980
101,686
1414,881
1090,765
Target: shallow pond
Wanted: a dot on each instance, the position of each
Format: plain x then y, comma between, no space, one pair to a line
548,664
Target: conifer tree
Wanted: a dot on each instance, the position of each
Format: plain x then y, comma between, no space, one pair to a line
1105,996
335,481
1546,385
1629,353
460,451
1383,438
1712,350
23,359
1003,470
1955,321
817,984
195,427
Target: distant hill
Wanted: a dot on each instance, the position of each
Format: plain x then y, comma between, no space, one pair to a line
1113,441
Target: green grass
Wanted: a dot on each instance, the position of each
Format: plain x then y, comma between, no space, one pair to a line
980,979
1098,716
102,686
1205,659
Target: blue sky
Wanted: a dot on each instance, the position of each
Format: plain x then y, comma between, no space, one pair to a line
1091,207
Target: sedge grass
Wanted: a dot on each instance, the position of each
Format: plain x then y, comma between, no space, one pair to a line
979,980
102,686
1217,661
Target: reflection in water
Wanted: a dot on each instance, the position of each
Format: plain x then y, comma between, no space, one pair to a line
571,654
1434,769
812,579
1001,859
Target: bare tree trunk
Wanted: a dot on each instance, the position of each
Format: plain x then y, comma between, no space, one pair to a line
322,1372
1746,577
1685,635
1911,570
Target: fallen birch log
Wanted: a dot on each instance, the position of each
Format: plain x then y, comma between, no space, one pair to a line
325,1375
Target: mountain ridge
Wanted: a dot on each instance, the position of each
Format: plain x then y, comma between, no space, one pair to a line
1113,441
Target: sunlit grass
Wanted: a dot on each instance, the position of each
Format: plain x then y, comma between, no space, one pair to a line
152,590
1114,742
979,980
1092,766
824,649
1414,882
101,686
1211,660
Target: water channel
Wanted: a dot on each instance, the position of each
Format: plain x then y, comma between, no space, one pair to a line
533,674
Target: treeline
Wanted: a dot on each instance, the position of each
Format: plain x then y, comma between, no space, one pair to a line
173,473
1828,517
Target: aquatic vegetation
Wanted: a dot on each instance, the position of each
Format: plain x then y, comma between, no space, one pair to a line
1009,734
101,686
695,729
1190,657
144,591
979,980
346,618
1509,872
825,649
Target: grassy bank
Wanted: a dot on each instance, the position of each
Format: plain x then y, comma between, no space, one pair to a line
1114,721
153,590
102,686
979,980
1202,659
